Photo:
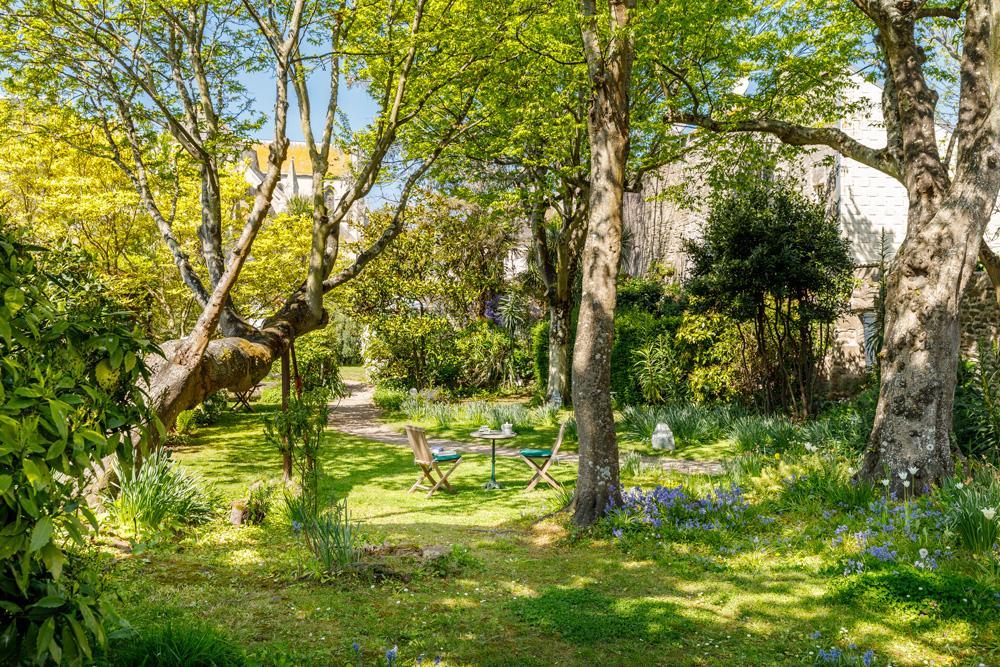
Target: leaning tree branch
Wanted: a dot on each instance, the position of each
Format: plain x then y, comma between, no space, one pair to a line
798,135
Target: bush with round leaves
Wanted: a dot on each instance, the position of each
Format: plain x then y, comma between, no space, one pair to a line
70,365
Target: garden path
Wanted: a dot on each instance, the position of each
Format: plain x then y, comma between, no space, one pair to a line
357,415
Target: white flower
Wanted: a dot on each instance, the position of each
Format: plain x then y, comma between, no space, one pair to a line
851,471
885,482
989,513
913,471
810,447
902,474
959,485
923,553
906,483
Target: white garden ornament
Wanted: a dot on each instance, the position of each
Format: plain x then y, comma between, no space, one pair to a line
663,438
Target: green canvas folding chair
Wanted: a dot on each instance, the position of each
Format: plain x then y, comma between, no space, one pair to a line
548,457
428,462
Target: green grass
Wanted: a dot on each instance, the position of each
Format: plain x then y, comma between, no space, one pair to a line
524,594
353,374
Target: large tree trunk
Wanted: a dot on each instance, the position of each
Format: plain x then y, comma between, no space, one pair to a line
559,324
910,444
609,63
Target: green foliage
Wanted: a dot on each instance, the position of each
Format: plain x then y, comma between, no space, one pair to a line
388,399
974,511
333,538
977,403
764,435
826,479
161,496
658,371
318,357
185,423
211,409
586,616
777,262
175,644
929,594
690,424
258,502
299,432
70,367
708,347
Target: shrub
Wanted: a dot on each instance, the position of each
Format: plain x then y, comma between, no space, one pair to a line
211,410
161,496
71,364
388,398
258,502
318,360
176,644
770,258
977,403
658,371
634,329
185,423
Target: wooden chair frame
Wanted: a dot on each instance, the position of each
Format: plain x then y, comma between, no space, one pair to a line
424,459
542,471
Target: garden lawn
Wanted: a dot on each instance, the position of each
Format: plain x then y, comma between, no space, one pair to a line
518,593
543,435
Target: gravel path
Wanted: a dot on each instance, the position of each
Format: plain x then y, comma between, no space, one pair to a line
357,415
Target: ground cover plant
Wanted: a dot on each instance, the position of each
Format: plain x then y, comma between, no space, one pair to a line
755,579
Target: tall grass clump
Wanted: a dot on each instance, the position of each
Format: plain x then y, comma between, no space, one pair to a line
764,435
161,496
389,399
334,539
175,644
689,423
515,414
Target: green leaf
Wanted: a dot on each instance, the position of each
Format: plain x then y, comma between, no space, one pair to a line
35,474
81,636
44,639
50,602
54,559
40,534
5,483
58,411
13,299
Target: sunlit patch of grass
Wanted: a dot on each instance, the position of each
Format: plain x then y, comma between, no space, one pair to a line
584,601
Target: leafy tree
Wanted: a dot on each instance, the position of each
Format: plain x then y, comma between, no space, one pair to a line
439,277
156,86
770,257
70,366
951,194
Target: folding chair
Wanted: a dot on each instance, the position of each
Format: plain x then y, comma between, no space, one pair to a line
549,457
428,461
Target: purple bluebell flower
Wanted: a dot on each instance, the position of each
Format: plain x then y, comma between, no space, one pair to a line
391,655
868,658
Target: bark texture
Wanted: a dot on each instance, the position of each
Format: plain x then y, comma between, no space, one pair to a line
948,213
609,65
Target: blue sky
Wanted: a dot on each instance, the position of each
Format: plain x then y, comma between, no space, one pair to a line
355,103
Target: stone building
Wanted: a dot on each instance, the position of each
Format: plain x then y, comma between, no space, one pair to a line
870,206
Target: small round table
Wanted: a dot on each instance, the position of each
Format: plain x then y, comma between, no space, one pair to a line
493,436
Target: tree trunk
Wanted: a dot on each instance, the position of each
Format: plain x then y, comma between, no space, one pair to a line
559,324
910,444
609,64
920,356
286,384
